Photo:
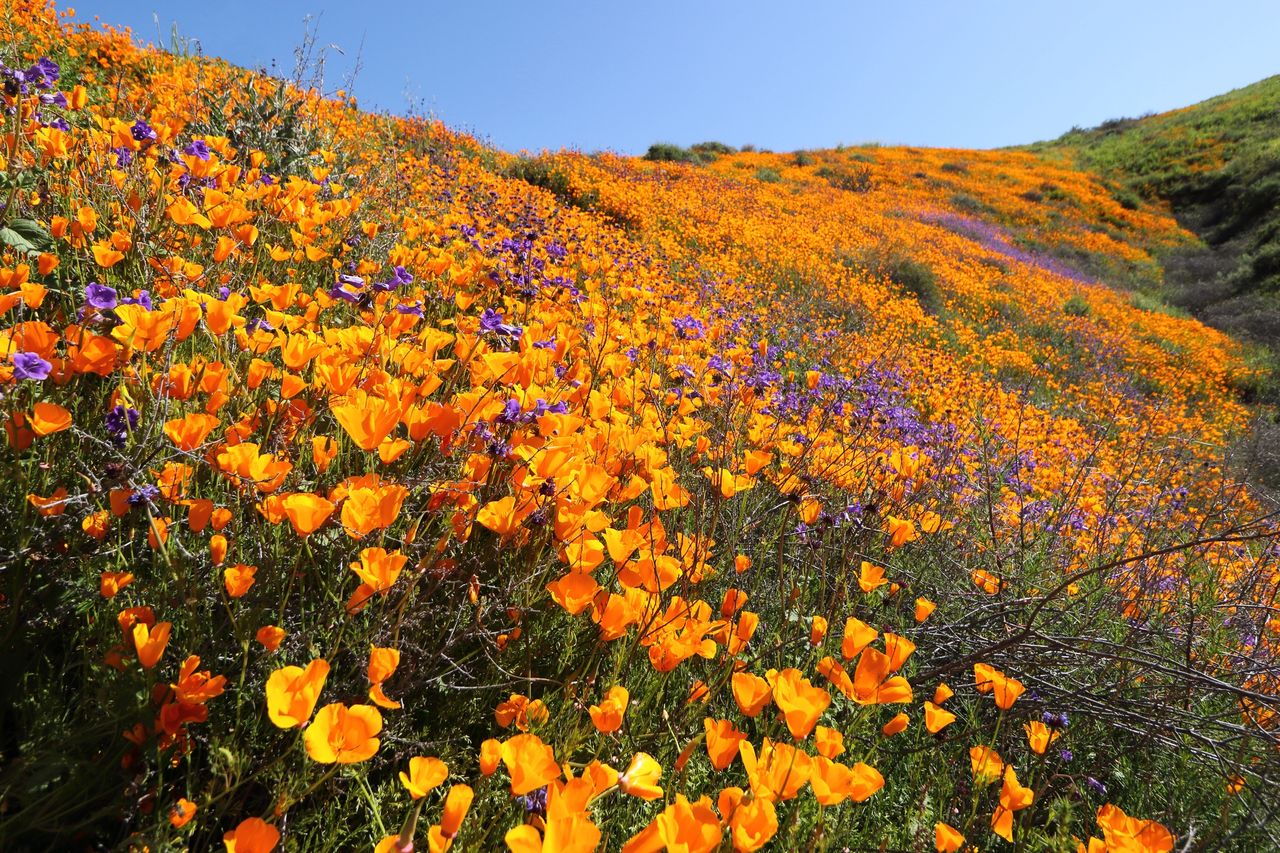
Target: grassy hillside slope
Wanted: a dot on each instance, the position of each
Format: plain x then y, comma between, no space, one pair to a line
364,486
1217,165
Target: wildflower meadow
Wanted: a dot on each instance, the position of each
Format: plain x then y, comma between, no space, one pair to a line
365,487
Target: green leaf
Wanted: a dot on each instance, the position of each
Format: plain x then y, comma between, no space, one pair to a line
25,235
33,232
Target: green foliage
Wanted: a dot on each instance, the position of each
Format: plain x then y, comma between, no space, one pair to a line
275,123
1076,306
702,153
1217,164
709,151
545,173
852,179
908,274
766,175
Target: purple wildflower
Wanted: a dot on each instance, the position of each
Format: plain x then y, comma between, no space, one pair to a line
120,422
142,132
100,296
28,365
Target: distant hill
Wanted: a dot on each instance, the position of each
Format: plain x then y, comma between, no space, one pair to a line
1217,165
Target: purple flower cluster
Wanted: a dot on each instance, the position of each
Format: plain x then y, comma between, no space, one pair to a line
19,81
121,421
994,238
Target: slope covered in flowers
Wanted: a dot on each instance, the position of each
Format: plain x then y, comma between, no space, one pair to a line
366,487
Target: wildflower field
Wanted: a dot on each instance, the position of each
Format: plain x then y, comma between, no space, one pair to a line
367,488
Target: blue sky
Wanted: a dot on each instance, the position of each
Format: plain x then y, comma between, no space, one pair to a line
619,75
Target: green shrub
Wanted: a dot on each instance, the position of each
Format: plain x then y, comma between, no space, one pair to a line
767,175
851,179
709,151
906,273
666,152
1076,306
804,158
541,172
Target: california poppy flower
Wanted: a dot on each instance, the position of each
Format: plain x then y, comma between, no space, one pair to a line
751,692
896,724
986,764
48,418
752,824
343,735
307,512
1121,832
252,835
936,719
946,838
871,577
607,716
683,825
182,813
871,684
1039,736
424,775
722,741
530,763
641,777
800,701
150,642
238,579
1013,797
292,692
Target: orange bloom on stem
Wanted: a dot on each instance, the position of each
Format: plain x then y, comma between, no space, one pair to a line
946,838
189,432
48,418
424,775
456,805
828,741
641,777
753,824
986,764
936,719
896,724
1039,736
871,577
292,692
252,835
238,579
1129,834
150,642
530,763
307,512
722,740
870,686
800,702
692,827
182,813
1013,797
751,692
343,735
110,583
857,636
607,716
924,607
270,636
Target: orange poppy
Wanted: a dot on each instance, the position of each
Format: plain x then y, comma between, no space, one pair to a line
343,735
292,692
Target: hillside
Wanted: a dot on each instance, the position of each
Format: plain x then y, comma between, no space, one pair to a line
1217,166
365,487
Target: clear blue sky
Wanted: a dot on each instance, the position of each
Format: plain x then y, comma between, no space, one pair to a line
612,74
